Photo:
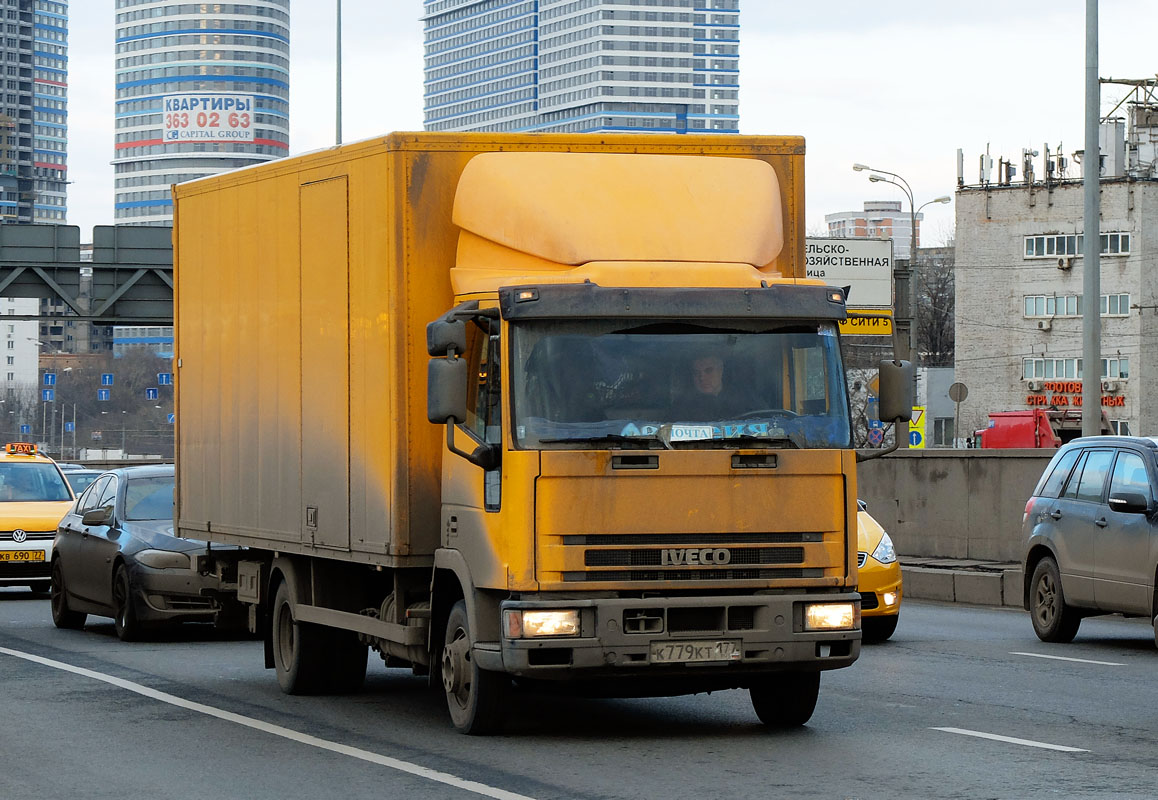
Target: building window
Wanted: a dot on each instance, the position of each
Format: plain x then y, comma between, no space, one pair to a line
1055,245
1054,368
1070,305
1116,367
943,431
1121,427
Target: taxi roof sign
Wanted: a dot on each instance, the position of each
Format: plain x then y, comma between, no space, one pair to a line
20,448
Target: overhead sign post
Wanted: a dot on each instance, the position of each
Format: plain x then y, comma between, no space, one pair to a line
863,268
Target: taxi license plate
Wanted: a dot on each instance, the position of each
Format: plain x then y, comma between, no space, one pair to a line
693,651
21,555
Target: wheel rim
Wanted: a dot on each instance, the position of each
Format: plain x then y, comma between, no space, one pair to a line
456,669
1045,600
285,631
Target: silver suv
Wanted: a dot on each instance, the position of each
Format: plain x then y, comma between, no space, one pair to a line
1091,534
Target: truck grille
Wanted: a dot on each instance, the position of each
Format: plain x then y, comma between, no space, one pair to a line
683,557
693,574
654,558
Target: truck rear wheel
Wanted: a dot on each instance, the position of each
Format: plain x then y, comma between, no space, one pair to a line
787,699
299,648
475,697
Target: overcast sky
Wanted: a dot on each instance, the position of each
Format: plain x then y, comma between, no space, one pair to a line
898,86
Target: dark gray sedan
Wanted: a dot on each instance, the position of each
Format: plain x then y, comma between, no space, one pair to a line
115,556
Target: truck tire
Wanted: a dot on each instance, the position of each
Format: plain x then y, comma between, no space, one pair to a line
299,648
1053,620
786,699
474,697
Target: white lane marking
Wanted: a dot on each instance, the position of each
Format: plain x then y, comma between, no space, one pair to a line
1066,658
1011,740
278,730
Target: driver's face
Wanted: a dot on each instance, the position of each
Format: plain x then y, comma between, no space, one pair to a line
708,375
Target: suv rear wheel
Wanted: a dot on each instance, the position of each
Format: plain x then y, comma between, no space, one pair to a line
1053,620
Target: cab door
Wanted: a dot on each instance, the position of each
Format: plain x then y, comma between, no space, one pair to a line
1123,564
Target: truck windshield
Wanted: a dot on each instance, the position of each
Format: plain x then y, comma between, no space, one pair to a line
619,384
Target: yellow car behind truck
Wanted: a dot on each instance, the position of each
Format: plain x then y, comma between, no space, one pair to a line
639,478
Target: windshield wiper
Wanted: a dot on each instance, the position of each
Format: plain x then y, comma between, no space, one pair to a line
640,442
745,439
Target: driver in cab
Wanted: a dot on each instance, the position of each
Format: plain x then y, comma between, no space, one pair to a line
709,399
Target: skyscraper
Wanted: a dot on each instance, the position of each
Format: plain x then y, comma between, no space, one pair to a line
582,65
201,88
33,111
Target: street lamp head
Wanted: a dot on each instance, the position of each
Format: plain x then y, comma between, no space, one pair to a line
859,167
878,179
943,200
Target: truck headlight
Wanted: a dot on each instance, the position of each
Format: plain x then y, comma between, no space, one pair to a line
163,559
536,624
885,552
830,616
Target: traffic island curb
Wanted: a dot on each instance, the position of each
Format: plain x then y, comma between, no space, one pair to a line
982,585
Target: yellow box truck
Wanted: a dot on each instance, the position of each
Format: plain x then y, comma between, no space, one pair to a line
560,408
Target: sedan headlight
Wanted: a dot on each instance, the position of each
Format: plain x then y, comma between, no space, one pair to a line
885,553
830,616
537,624
163,559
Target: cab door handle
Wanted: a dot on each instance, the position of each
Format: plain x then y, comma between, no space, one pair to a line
1056,513
1101,523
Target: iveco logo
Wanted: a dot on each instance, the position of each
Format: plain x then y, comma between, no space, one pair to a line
19,535
717,556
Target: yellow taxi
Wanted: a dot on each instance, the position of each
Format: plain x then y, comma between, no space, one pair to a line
34,497
879,580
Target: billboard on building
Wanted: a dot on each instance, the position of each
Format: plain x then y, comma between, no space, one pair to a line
208,117
862,266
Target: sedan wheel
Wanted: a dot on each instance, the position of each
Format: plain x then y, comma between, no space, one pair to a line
62,615
1053,620
124,607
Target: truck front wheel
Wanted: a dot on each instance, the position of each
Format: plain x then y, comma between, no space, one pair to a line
786,699
298,648
475,697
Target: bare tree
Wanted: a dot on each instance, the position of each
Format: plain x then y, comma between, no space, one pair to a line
935,306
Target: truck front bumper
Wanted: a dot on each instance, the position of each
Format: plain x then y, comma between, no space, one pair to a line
619,638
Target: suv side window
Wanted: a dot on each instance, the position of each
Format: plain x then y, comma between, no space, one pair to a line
1094,475
1130,475
1071,490
1061,471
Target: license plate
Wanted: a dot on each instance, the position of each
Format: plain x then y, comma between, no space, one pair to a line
21,555
695,651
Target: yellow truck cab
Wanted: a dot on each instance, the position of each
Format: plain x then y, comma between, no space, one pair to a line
561,408
34,497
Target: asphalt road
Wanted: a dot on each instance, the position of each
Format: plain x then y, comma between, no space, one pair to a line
194,715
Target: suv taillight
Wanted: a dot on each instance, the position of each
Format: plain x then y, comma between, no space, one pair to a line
1028,510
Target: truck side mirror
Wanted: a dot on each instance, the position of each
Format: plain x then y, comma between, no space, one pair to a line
446,390
895,391
443,334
